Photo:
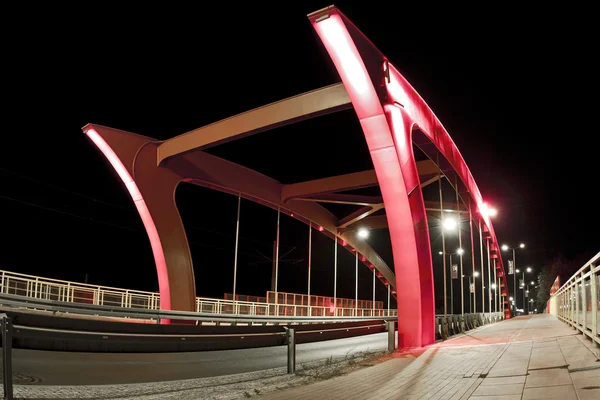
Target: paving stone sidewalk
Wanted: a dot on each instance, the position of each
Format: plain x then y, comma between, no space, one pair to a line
534,357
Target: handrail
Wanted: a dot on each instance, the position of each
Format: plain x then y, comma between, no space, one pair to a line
73,292
106,311
577,301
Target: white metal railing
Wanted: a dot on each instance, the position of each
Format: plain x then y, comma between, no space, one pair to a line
73,292
577,301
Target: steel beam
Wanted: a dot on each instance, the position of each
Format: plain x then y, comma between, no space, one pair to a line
352,181
359,215
342,198
303,106
356,180
372,222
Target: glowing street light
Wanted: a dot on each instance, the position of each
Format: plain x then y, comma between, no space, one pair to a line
476,274
506,247
528,269
449,224
488,211
460,252
363,233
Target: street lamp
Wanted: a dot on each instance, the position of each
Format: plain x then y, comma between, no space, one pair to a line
505,247
471,283
459,252
449,224
529,270
363,233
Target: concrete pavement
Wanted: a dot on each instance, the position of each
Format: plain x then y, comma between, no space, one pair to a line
526,358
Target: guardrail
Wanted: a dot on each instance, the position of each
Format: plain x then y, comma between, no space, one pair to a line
454,324
159,316
48,332
53,289
577,301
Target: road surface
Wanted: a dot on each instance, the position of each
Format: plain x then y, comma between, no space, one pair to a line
70,368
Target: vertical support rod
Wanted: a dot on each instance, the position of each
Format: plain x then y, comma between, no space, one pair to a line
309,262
389,291
462,289
356,287
497,291
470,298
514,281
451,288
291,351
235,257
335,241
594,292
277,262
373,305
472,260
391,330
524,292
489,277
482,269
443,239
6,327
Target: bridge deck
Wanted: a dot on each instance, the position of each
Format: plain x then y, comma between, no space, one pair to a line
534,357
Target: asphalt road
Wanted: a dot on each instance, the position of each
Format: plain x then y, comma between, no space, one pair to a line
68,368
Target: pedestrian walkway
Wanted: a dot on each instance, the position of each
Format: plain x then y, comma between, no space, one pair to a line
525,358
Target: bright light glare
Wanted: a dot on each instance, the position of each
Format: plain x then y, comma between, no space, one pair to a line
532,282
504,247
488,211
460,252
511,299
517,271
522,245
528,269
449,224
440,253
476,274
363,233
493,286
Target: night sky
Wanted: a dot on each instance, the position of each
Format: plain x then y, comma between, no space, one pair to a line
513,88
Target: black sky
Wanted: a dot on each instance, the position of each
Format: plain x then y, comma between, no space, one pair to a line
514,88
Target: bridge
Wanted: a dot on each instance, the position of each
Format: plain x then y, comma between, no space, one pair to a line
412,153
396,123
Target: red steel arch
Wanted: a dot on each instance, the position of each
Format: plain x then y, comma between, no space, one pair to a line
388,108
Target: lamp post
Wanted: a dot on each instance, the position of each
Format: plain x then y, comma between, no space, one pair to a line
493,288
362,233
458,252
505,247
471,282
528,269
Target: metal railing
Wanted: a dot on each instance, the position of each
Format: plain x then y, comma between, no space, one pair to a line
577,302
65,291
453,324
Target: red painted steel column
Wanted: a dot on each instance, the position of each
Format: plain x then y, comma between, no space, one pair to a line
388,138
152,189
